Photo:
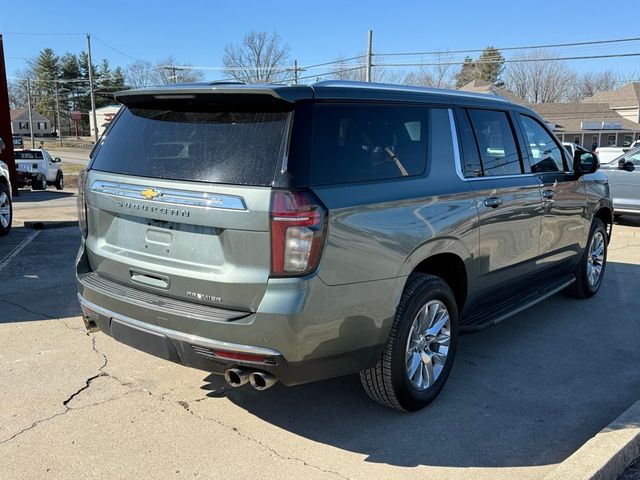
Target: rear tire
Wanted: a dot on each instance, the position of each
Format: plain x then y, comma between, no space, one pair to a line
40,182
593,262
421,347
59,183
6,210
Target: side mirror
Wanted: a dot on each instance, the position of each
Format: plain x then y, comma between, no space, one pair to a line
57,160
624,165
585,163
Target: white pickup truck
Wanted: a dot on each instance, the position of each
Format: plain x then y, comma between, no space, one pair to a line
37,168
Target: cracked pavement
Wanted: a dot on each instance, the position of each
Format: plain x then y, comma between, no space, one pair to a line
523,395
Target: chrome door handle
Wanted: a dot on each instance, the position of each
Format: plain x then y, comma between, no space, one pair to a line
493,202
548,194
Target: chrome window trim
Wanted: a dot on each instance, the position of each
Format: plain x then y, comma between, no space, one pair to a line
458,158
182,337
170,196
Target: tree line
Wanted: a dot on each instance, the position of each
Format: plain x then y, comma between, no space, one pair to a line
61,82
263,57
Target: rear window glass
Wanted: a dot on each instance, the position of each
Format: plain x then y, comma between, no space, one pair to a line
241,148
357,143
28,155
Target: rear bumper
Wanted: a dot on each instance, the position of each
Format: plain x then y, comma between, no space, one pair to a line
303,330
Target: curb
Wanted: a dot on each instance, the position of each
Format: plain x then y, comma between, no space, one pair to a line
608,454
49,224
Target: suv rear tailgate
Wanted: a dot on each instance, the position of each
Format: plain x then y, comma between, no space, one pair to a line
192,241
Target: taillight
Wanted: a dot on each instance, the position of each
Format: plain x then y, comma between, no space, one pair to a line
298,226
82,202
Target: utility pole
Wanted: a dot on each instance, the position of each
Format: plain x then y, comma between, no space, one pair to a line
7,155
295,71
58,116
93,93
367,75
33,141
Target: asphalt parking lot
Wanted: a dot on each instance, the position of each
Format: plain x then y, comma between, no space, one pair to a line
522,396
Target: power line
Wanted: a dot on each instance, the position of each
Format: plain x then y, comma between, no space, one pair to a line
528,47
114,49
512,60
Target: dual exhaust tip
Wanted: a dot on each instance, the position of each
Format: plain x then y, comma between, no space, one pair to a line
237,377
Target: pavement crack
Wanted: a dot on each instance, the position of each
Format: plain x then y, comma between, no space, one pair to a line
281,456
33,425
65,403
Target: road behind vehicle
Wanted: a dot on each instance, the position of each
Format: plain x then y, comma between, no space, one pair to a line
36,168
297,233
624,178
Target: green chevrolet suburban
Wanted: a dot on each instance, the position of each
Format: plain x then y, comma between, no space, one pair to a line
295,233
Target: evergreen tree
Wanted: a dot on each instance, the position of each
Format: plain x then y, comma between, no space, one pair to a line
490,65
69,89
467,72
46,71
118,80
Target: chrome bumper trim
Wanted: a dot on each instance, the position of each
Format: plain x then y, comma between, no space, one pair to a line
179,336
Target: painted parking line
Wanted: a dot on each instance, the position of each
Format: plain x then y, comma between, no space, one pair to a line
18,249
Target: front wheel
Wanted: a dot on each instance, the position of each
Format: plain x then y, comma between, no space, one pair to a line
590,271
59,183
419,353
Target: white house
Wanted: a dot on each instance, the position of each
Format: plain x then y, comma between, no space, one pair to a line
20,123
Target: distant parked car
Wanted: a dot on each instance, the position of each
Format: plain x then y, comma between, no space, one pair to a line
624,181
35,167
5,197
606,154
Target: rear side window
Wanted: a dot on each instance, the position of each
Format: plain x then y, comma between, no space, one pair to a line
544,153
357,143
241,148
496,144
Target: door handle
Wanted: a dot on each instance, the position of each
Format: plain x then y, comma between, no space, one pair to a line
548,194
493,202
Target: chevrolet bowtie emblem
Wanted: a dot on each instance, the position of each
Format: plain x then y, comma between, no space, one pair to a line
150,193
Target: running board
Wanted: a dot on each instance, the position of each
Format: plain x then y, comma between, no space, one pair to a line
481,318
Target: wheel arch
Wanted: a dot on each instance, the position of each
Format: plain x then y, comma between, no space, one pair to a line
605,213
447,258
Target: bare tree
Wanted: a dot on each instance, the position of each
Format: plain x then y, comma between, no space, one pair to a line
354,70
439,75
538,78
260,58
170,70
18,92
140,74
590,83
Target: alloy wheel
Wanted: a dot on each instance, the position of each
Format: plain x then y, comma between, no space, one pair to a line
428,345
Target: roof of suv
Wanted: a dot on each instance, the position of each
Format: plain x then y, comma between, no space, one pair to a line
326,90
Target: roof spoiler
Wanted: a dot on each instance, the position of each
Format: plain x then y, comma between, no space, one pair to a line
219,93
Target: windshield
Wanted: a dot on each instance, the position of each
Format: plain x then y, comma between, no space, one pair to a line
28,155
240,148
